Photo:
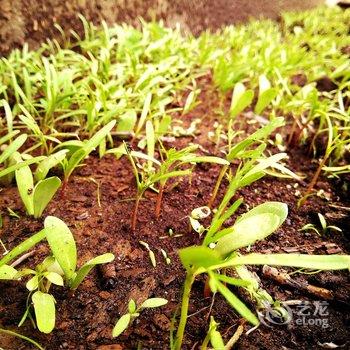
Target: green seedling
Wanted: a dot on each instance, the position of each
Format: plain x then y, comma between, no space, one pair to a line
213,337
250,150
324,227
9,148
166,257
36,196
152,257
172,160
84,149
220,251
134,312
266,94
60,269
333,142
241,99
42,301
159,172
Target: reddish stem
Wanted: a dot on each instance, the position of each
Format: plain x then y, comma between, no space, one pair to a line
159,200
63,189
134,215
314,179
217,185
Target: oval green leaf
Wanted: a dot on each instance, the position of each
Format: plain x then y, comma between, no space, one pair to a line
121,325
62,244
45,312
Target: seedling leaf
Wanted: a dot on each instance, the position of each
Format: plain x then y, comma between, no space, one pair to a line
87,267
241,98
43,193
23,247
199,256
44,307
247,232
51,161
153,302
237,304
121,325
25,184
7,272
62,244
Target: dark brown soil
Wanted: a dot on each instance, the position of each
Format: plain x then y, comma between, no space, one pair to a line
85,319
33,21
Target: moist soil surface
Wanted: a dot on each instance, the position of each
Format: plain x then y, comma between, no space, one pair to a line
86,317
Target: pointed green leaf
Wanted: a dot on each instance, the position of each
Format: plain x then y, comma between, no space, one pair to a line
87,267
316,262
33,283
237,304
13,147
19,165
127,121
54,278
150,141
48,163
241,98
132,306
121,325
216,340
87,148
23,247
145,111
277,208
265,99
233,281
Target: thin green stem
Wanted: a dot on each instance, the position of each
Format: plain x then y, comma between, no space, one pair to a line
217,185
206,340
184,310
21,337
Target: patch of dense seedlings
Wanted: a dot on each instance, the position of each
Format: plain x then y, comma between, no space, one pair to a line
178,134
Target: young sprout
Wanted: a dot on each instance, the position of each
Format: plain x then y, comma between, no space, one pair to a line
134,312
159,172
84,149
165,256
150,253
36,196
332,143
251,149
220,250
213,336
324,227
60,268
